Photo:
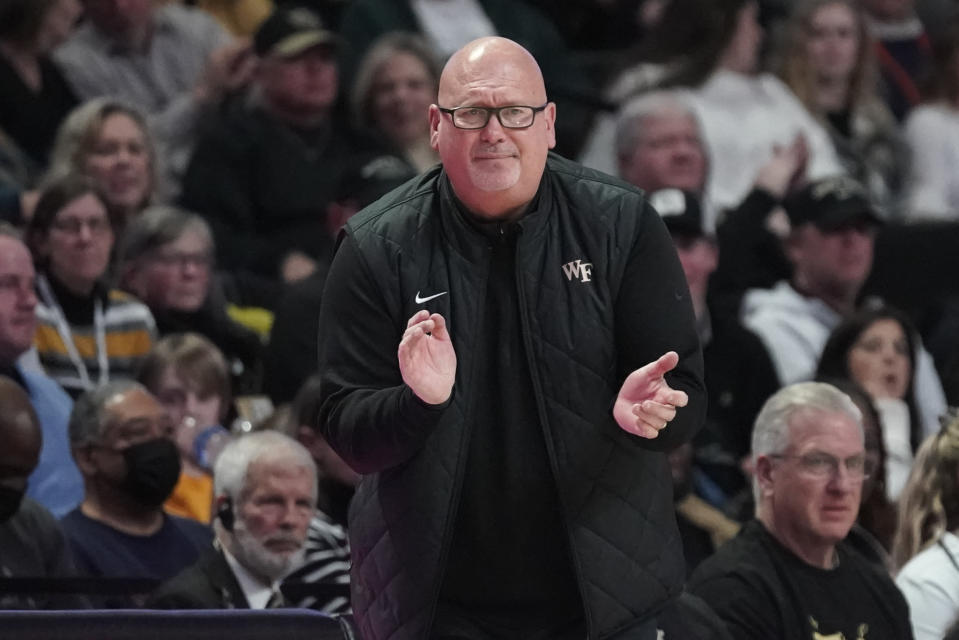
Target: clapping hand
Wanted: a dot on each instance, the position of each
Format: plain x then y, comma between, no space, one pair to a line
427,359
646,403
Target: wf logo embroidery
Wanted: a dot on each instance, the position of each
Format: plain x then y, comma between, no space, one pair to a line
578,269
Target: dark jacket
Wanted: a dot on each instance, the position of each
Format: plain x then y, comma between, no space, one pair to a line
208,584
264,186
601,293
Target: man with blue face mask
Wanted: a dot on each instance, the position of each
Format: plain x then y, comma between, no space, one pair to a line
31,542
121,439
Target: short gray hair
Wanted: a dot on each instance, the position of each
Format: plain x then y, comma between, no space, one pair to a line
157,226
771,429
232,466
632,116
87,417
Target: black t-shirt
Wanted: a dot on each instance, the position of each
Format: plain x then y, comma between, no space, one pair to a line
762,591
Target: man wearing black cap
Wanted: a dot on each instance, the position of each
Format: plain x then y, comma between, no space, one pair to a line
831,249
738,372
264,175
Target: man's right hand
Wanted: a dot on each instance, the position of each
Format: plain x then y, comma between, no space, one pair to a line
427,359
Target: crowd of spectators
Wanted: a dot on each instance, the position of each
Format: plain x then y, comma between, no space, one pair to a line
173,177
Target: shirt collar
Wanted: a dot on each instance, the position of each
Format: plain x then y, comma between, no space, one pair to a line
256,591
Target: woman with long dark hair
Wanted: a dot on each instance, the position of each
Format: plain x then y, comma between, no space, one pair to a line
877,349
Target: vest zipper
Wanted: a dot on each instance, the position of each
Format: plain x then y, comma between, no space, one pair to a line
458,479
541,410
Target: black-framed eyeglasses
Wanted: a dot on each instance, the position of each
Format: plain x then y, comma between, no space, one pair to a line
824,465
512,116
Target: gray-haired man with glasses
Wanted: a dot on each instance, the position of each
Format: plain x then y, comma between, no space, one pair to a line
789,574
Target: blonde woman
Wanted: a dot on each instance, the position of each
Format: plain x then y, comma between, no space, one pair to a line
395,84
109,141
927,547
827,61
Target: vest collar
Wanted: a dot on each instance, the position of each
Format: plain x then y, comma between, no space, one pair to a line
467,233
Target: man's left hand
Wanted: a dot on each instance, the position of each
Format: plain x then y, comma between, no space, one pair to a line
646,404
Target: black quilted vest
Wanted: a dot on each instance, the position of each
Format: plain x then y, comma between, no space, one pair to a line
616,495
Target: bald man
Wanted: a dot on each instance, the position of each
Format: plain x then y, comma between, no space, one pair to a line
31,542
507,349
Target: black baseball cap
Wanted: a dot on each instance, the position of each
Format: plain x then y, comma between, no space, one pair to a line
289,31
831,203
680,210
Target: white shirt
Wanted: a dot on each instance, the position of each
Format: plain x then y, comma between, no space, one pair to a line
256,591
896,436
743,118
449,24
930,583
932,133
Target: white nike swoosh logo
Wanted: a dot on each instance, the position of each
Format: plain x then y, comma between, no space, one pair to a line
420,300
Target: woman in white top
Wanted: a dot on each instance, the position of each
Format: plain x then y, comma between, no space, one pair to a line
932,132
926,547
712,47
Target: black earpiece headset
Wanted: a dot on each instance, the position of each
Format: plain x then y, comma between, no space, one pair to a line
225,513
